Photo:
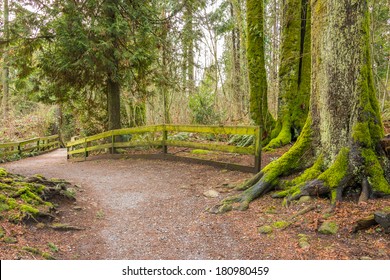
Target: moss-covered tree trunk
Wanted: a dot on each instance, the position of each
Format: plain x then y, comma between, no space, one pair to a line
294,73
339,146
256,66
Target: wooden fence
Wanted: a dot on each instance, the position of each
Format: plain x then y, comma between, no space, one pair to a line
38,144
159,137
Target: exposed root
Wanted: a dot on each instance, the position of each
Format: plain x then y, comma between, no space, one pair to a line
268,178
249,183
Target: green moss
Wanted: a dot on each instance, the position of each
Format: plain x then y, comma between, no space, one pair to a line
3,172
328,228
374,172
361,134
2,232
38,252
256,66
10,240
27,209
3,206
290,161
280,224
12,203
200,152
53,247
283,138
310,173
265,229
294,73
337,171
69,193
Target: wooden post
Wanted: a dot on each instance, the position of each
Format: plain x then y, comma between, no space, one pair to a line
112,144
258,147
85,148
164,140
38,149
19,149
67,153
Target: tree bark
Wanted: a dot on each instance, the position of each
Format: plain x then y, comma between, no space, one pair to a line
256,67
112,84
339,145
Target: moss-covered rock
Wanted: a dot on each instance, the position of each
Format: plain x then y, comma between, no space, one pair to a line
303,241
265,230
280,224
328,227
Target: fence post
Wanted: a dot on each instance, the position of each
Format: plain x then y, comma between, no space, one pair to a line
85,148
164,140
19,149
38,149
258,133
112,143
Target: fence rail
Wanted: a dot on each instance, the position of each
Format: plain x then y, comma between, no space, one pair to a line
109,140
38,144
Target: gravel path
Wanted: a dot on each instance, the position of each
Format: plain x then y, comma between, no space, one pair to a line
154,209
150,209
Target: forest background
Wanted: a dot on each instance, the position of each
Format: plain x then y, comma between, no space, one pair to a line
172,61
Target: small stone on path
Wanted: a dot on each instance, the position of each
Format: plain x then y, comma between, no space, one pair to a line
211,194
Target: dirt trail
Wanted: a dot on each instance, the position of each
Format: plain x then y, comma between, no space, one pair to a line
147,209
154,209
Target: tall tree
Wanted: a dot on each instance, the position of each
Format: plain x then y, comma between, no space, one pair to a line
256,66
101,49
339,146
294,73
5,74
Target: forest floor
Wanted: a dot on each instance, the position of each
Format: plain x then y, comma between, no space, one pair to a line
155,209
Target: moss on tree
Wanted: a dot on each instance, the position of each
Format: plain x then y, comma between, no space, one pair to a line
294,73
256,67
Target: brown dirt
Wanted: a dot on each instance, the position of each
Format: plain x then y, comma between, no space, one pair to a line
154,209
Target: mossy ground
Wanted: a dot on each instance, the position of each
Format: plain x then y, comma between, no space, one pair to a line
23,199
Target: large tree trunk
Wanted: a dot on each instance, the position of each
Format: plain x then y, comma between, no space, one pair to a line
112,83
256,66
339,146
294,73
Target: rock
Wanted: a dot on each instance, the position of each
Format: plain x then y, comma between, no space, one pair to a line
78,208
364,223
365,258
265,229
211,194
304,199
328,228
303,241
383,218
